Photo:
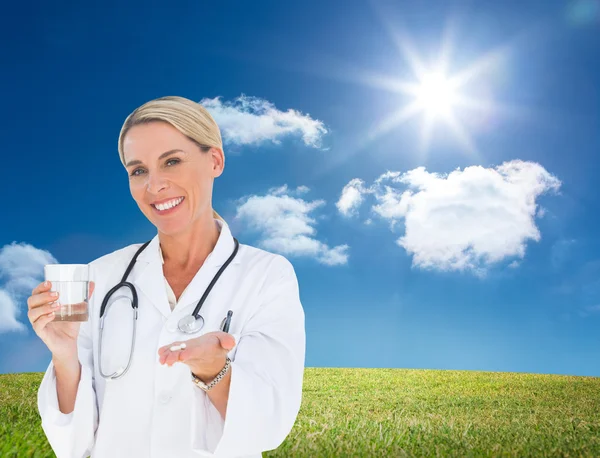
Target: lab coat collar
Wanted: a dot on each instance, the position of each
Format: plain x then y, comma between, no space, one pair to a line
151,274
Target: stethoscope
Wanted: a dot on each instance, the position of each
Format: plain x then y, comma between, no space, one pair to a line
190,324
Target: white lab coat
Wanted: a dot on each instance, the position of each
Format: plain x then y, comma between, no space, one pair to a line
155,411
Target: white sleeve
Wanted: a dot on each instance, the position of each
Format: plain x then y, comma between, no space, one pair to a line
266,379
71,435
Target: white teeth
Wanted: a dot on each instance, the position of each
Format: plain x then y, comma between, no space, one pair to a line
170,204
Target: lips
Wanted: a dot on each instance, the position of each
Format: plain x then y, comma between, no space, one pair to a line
169,210
164,201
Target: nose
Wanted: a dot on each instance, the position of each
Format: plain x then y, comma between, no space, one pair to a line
155,183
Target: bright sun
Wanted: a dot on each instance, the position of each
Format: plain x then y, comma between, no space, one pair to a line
435,95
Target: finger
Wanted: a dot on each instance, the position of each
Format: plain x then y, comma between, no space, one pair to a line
164,353
171,357
40,299
168,347
163,348
226,340
42,321
185,354
92,286
43,286
35,313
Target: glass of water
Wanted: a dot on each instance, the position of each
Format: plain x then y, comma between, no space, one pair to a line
71,281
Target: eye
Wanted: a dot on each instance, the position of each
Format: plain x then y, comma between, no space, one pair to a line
133,174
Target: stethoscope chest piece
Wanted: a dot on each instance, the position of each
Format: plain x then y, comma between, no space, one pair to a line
190,324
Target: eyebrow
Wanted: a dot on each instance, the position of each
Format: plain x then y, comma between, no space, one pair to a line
163,155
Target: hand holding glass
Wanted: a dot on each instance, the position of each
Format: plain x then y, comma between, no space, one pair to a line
71,283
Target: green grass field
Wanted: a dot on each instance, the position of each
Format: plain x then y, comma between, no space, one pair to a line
394,412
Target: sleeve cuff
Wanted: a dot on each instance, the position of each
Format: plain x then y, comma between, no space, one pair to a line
72,434
211,435
53,414
248,427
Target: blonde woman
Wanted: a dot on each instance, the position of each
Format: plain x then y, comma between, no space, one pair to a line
235,387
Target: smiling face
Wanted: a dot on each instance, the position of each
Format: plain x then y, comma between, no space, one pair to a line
187,172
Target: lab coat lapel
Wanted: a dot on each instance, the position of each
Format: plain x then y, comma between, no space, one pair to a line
151,279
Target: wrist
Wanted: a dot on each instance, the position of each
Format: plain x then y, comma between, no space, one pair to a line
209,382
207,375
66,362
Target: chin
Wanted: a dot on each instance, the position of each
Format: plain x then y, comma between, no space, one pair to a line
171,229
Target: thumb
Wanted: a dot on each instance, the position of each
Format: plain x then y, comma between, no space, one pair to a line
227,340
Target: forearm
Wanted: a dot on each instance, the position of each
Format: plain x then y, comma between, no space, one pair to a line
68,375
219,394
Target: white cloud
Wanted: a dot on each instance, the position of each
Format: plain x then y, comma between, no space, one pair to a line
284,190
21,270
286,225
250,121
464,220
302,189
351,197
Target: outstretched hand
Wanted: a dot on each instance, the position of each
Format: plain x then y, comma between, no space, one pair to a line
205,355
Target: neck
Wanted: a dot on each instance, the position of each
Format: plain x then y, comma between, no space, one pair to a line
187,251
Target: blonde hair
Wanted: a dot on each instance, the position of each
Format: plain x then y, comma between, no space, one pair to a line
187,116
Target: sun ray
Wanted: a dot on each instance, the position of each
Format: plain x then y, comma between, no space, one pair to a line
446,48
388,82
409,53
425,135
463,136
474,105
476,69
437,95
394,120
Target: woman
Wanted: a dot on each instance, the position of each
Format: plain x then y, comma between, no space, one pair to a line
160,407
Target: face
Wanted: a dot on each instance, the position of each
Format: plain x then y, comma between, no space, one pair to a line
187,174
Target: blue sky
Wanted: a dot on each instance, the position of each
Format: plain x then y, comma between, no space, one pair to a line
471,247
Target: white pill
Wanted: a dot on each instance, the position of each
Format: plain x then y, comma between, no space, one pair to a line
177,347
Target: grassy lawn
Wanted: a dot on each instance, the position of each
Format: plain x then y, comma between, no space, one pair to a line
394,412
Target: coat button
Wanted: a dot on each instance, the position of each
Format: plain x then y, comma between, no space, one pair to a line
164,397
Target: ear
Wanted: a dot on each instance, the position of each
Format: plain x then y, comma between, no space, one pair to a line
218,159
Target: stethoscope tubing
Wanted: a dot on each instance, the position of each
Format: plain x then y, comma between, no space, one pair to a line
195,314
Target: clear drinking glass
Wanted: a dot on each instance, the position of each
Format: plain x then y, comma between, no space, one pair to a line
71,281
